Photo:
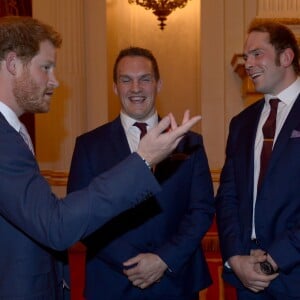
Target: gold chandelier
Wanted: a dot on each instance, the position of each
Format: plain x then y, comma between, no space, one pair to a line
160,8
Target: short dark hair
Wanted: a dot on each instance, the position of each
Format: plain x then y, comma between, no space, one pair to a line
281,37
137,51
23,35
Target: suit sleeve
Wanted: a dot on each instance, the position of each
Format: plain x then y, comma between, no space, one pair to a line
100,243
27,201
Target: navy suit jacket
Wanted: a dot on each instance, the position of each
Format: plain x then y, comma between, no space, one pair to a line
277,207
32,219
171,224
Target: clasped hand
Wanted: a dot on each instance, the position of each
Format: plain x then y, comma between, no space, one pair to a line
147,268
247,268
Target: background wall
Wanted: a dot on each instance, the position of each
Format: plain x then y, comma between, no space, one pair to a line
176,48
194,53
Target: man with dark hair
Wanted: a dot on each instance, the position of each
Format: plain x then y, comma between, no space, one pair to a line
32,219
258,207
152,251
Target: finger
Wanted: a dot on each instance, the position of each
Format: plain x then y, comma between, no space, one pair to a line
143,285
135,278
186,116
254,289
132,261
173,121
257,252
131,272
162,125
137,282
181,130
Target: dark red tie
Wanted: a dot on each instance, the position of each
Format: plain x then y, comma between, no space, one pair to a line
142,127
268,133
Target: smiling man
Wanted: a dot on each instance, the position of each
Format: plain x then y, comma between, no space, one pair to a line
33,221
258,207
154,250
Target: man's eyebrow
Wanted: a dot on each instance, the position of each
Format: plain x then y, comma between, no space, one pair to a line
146,75
245,54
255,50
49,62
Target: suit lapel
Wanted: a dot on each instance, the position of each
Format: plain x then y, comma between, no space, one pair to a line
249,135
118,139
291,122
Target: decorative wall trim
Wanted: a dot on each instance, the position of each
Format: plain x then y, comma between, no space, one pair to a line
56,178
215,175
286,21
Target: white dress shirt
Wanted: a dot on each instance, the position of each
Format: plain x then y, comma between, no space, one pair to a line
287,98
10,116
14,121
132,132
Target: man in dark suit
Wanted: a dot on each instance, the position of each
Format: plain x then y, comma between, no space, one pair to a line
32,219
153,250
258,207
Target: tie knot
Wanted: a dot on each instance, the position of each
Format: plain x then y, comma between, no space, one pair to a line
142,127
274,103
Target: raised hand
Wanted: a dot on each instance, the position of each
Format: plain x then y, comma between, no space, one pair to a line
161,140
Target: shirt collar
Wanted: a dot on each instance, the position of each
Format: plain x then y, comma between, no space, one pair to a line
10,116
128,122
289,95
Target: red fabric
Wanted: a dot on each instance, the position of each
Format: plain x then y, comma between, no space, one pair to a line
15,8
77,271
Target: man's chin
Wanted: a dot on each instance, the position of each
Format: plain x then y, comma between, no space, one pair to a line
39,110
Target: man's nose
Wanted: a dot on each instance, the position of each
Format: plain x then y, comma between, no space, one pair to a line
53,81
